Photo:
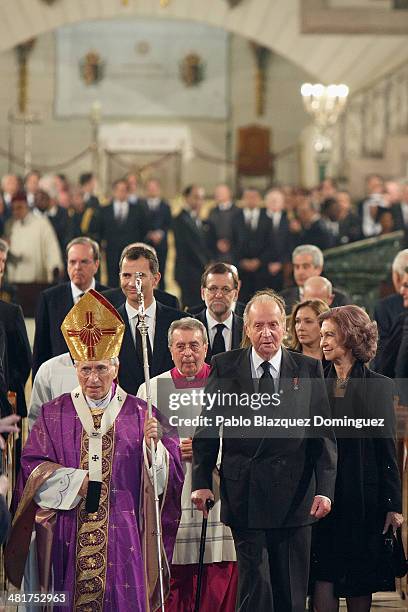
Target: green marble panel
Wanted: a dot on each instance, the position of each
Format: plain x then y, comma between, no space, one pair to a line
360,267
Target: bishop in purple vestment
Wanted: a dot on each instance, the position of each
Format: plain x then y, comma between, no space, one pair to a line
85,484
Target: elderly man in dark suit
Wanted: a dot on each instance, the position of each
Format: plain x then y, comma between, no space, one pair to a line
307,260
272,488
388,310
219,290
141,262
55,303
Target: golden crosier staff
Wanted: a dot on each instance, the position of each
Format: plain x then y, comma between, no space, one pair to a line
143,328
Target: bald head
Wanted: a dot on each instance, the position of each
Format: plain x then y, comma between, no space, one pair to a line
318,288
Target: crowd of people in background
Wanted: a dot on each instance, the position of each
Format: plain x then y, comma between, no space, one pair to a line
257,232
268,245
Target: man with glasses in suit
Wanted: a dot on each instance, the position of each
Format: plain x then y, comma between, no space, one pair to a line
219,290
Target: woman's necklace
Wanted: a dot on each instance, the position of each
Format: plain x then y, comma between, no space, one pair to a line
341,383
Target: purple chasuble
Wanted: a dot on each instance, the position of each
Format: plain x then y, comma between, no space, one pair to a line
56,436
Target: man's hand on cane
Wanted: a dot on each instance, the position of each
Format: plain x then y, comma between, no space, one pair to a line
199,498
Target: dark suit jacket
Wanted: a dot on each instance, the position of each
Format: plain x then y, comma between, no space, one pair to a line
192,255
386,313
131,374
18,352
267,482
397,216
316,234
85,223
237,327
117,235
225,224
157,219
53,306
280,241
117,298
291,297
350,229
253,242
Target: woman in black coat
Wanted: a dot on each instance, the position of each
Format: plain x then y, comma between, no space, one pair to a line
346,559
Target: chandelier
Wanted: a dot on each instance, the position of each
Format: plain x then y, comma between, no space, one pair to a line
324,103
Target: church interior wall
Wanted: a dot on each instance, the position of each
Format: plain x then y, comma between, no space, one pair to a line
55,139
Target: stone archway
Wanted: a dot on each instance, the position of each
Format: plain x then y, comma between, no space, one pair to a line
277,25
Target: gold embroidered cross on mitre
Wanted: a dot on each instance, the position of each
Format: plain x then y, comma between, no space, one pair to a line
93,329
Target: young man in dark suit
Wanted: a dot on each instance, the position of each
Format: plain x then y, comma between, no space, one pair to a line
219,290
224,239
87,184
117,297
120,223
141,262
55,303
158,215
192,254
273,486
280,242
255,242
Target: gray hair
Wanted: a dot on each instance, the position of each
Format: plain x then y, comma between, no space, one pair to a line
400,262
310,249
187,323
4,247
87,242
265,296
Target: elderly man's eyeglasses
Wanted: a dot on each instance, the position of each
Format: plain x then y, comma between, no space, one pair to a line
100,371
213,290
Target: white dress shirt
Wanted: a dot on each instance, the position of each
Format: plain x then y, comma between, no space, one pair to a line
251,216
153,203
226,332
274,362
275,217
150,320
121,210
224,205
77,293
